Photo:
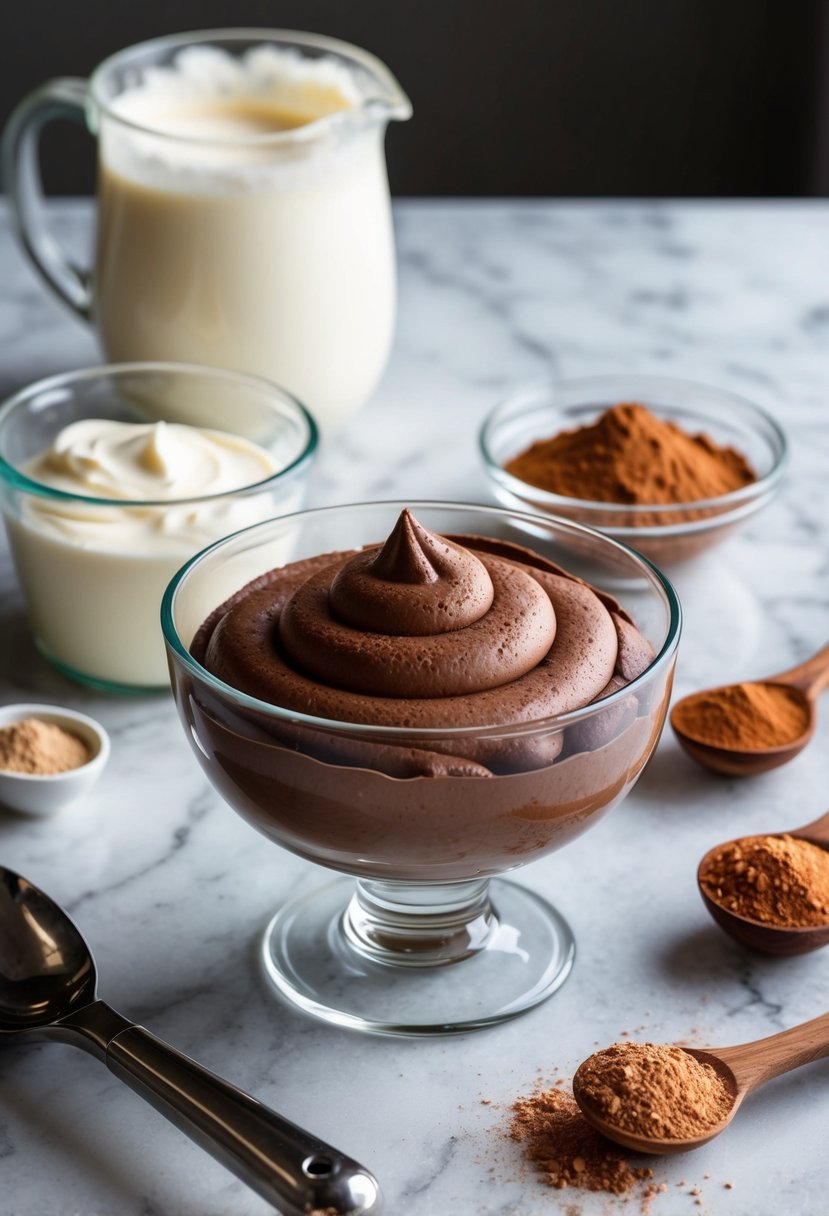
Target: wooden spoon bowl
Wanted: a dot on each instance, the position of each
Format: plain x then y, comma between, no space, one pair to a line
647,1144
731,762
757,934
804,683
743,1069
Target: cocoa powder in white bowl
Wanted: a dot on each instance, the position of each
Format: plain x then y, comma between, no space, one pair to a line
42,771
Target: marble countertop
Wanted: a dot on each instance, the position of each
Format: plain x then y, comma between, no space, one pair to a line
492,295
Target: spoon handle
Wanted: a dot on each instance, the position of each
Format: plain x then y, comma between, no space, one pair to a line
810,677
289,1167
816,831
755,1063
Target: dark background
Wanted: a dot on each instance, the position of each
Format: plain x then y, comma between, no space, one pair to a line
517,97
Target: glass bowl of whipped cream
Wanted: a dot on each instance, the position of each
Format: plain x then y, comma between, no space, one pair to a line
111,477
422,696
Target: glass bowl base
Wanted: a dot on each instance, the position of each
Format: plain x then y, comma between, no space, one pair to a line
97,682
315,961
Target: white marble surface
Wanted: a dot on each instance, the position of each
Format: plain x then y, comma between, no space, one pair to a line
172,890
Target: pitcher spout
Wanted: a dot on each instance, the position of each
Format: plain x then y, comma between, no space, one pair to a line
382,98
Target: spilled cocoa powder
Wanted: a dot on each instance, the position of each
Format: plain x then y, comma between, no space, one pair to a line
778,880
654,1090
567,1152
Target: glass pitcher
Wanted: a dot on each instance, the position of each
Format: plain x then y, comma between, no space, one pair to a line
243,213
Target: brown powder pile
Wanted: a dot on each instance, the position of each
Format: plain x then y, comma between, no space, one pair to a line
654,1090
631,456
566,1150
743,717
40,748
774,879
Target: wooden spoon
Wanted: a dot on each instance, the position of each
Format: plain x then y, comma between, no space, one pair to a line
743,1069
771,939
805,682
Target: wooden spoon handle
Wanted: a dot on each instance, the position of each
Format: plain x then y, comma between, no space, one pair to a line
810,677
755,1063
818,830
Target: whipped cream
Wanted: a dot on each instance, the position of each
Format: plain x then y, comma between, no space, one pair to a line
158,460
148,463
93,571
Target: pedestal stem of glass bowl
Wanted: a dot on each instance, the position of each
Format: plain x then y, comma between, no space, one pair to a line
419,924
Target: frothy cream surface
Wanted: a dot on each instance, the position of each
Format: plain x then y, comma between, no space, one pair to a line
233,118
206,94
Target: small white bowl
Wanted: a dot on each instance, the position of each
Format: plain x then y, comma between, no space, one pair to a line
32,794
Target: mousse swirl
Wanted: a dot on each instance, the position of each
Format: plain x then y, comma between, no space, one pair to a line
417,584
426,631
465,625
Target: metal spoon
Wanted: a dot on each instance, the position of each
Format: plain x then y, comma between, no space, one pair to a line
47,991
743,1069
771,939
805,682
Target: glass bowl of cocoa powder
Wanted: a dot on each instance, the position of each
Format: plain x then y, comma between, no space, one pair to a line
667,466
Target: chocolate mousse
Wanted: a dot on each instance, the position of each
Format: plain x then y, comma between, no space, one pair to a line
479,640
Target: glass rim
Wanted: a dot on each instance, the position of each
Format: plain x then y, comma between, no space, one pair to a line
22,482
774,434
377,109
657,580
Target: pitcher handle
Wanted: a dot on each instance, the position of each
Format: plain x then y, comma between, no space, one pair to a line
63,98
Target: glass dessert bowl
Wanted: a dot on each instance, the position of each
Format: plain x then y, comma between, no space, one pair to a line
478,662
667,533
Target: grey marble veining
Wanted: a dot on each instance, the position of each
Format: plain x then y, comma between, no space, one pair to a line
173,890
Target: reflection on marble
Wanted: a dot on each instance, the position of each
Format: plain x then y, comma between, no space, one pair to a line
172,889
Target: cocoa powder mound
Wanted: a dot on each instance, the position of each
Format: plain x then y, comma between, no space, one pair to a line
566,1150
40,748
743,717
778,880
631,456
654,1090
